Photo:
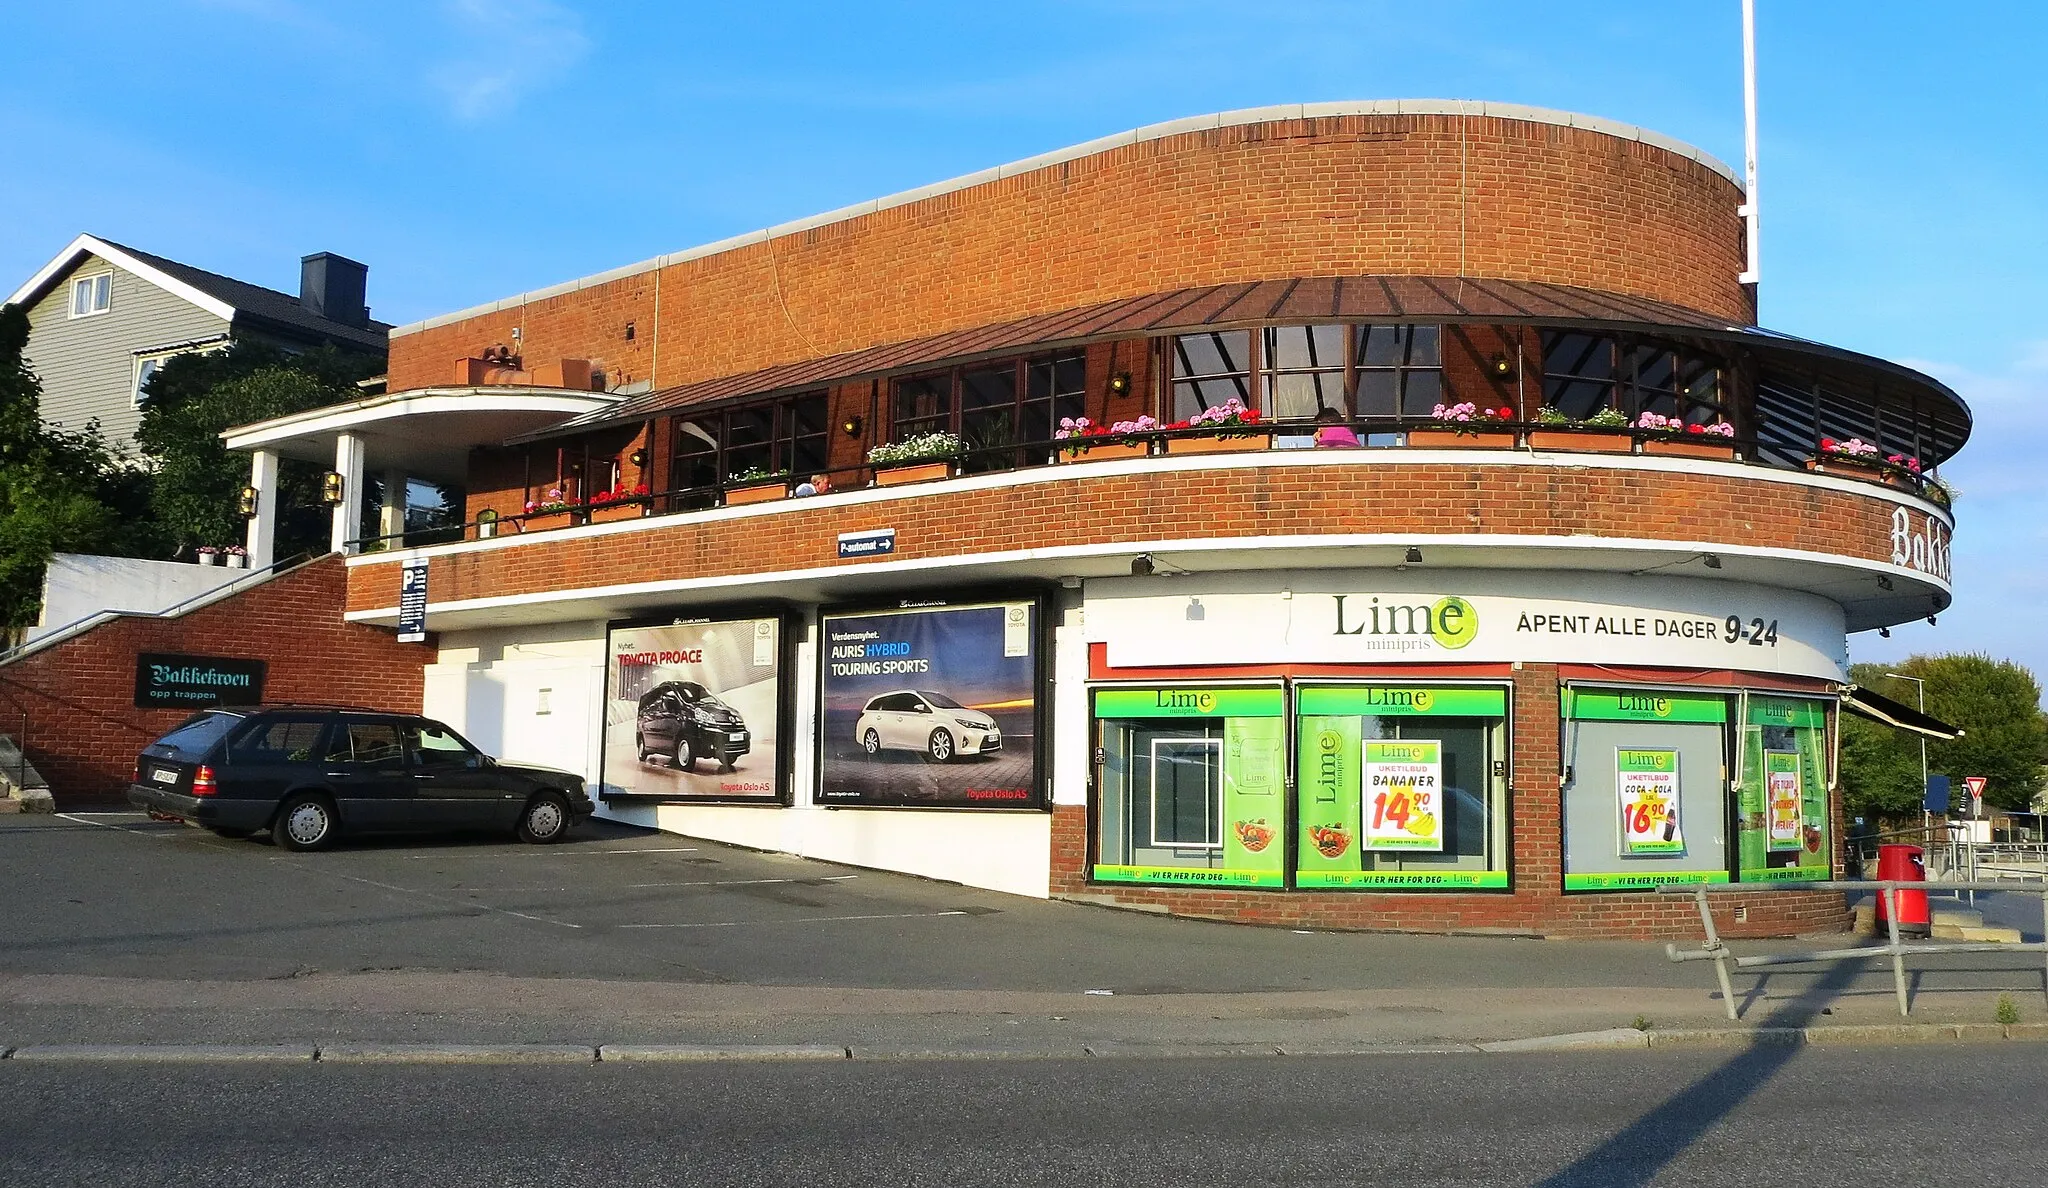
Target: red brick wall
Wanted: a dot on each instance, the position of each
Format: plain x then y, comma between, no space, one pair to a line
79,695
1537,903
1092,507
1340,196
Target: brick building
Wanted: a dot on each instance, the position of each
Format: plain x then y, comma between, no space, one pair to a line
1375,515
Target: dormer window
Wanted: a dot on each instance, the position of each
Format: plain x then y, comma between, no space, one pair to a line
92,294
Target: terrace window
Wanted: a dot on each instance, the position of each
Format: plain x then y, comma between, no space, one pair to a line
1005,411
1304,367
791,435
1210,370
1400,370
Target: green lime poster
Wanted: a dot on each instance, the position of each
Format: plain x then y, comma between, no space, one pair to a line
1254,812
1647,784
1328,778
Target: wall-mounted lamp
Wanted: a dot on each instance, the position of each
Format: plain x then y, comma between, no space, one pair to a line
1119,383
486,524
330,488
637,457
1884,633
1502,367
1413,556
629,331
851,426
1930,620
1141,565
246,504
1711,560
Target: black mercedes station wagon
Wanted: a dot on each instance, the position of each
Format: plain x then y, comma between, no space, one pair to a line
309,774
684,721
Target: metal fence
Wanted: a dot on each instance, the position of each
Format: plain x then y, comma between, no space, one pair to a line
1717,951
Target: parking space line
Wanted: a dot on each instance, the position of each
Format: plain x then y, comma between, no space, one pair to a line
798,920
552,852
739,882
439,898
167,828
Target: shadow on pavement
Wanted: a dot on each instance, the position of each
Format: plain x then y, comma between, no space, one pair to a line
1646,1146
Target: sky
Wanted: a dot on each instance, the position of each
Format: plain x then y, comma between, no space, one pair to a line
468,150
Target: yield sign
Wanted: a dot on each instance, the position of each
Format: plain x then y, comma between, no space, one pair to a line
1975,784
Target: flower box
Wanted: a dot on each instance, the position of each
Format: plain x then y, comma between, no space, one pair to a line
757,493
209,559
1582,441
1108,449
543,521
621,509
914,472
1690,447
1212,444
1451,439
1870,470
237,560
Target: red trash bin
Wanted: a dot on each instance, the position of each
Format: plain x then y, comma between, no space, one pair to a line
1899,863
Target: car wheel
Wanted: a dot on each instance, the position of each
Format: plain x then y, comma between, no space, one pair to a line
230,834
544,820
871,742
305,822
640,745
686,759
939,748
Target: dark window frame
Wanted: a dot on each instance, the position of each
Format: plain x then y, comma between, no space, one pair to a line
1031,418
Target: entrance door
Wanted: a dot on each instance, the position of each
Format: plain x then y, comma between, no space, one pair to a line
1647,804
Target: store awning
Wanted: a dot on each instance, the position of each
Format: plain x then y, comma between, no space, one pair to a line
1863,703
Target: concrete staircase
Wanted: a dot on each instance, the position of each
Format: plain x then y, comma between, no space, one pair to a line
22,789
1945,922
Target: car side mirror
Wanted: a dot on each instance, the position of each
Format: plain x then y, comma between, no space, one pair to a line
474,763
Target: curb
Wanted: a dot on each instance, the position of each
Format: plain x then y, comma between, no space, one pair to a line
1613,1039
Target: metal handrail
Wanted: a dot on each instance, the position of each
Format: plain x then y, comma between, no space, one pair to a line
672,501
85,623
1716,950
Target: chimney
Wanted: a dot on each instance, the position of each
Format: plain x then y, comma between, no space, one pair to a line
333,287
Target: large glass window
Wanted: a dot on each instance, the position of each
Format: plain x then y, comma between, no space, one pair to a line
1210,370
1578,373
1400,370
1305,371
923,404
1646,798
1783,827
988,416
1192,783
1054,388
1005,411
1400,787
1585,373
792,436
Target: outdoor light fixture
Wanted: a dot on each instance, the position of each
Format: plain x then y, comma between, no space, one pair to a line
1712,560
1119,383
246,504
1884,633
1930,620
851,426
1414,556
330,488
637,457
1503,367
1141,565
1883,582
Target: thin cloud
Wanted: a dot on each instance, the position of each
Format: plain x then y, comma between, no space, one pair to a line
509,49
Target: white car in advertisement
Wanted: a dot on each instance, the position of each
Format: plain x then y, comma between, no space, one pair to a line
931,723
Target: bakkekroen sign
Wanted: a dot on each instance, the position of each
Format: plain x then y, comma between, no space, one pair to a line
164,681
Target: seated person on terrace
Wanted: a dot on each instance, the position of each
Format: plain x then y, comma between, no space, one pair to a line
1332,433
817,484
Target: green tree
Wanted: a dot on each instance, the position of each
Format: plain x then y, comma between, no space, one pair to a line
1995,702
193,398
60,491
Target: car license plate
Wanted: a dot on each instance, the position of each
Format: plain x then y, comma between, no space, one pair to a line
164,775
740,736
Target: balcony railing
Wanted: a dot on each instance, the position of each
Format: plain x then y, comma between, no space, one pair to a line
1381,434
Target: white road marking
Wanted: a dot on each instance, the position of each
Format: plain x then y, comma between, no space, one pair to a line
550,852
439,898
739,882
164,828
798,920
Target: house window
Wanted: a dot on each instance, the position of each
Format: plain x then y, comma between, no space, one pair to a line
145,367
92,294
1210,370
1400,370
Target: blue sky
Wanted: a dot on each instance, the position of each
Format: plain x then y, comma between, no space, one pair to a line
470,149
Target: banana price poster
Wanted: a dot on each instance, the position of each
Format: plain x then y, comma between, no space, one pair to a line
1404,795
1783,804
1648,785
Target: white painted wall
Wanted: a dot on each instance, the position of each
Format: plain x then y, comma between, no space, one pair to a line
78,585
488,685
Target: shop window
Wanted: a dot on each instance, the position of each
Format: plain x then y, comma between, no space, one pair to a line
1645,798
1211,369
1305,371
1191,786
1784,830
1401,787
1400,370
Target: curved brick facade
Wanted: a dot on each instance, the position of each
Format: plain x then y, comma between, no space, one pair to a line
1448,195
1256,495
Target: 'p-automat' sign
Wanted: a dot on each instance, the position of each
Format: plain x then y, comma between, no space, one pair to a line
196,682
872,543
